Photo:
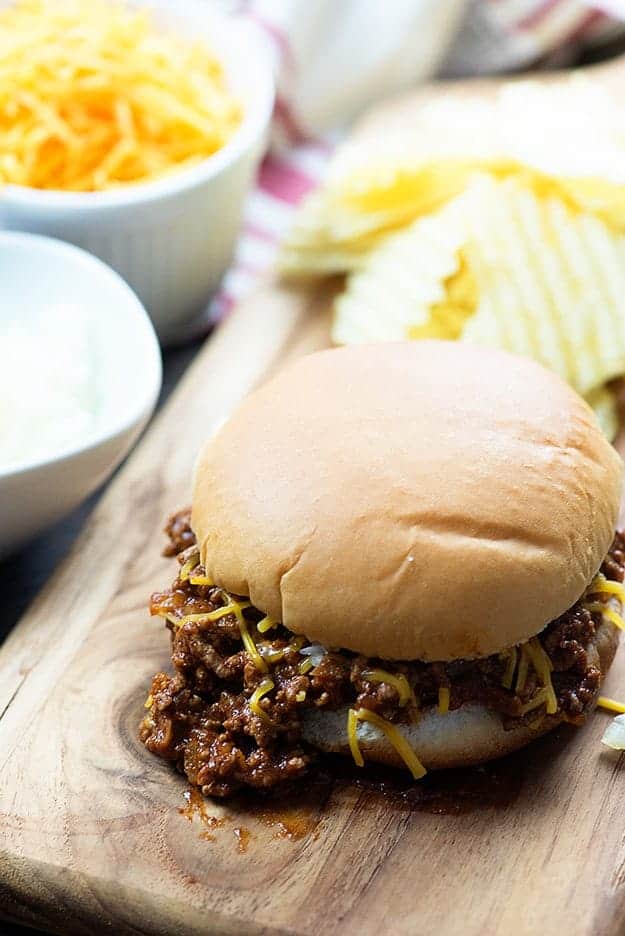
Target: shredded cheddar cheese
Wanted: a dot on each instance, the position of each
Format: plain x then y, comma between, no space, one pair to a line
192,563
94,96
149,702
264,686
393,734
517,662
508,676
521,676
352,737
543,666
603,586
537,699
200,580
600,585
271,656
531,652
613,616
266,624
397,680
233,607
183,619
612,705
246,637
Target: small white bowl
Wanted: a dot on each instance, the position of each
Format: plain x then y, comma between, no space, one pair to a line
171,239
35,273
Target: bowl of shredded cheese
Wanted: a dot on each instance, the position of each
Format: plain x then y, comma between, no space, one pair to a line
134,130
80,376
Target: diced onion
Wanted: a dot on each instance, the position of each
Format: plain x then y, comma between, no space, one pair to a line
614,735
315,653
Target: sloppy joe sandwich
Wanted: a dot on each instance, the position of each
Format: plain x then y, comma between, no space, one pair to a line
405,553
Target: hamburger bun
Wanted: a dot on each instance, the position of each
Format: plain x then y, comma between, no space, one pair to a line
469,735
415,501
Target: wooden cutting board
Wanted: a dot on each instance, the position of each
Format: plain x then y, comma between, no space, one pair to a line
97,836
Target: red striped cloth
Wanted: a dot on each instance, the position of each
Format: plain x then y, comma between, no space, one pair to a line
284,179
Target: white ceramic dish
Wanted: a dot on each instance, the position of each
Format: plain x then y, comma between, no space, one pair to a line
171,239
35,273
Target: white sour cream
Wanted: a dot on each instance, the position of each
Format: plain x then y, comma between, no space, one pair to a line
48,391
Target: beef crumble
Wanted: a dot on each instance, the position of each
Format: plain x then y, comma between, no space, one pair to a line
226,722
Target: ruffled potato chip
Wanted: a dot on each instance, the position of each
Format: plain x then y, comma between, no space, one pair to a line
418,264
561,141
501,266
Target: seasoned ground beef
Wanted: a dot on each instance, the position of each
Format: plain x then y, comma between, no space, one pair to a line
209,721
178,531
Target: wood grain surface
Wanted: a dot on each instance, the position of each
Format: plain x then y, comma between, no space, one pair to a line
96,835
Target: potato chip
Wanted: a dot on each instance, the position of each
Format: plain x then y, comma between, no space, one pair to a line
537,134
403,280
326,239
501,266
334,231
551,283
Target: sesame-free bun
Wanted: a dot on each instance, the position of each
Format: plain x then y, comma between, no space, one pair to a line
427,500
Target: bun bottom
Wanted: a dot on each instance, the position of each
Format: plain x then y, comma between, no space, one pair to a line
469,735
464,737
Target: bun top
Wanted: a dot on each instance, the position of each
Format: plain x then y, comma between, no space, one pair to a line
427,500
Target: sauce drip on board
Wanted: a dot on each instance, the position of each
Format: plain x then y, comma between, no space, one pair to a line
295,814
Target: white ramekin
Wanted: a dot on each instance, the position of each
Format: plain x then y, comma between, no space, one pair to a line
34,272
171,239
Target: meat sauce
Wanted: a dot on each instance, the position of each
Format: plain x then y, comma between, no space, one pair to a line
226,729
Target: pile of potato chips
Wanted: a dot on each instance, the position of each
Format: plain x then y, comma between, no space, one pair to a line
498,222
